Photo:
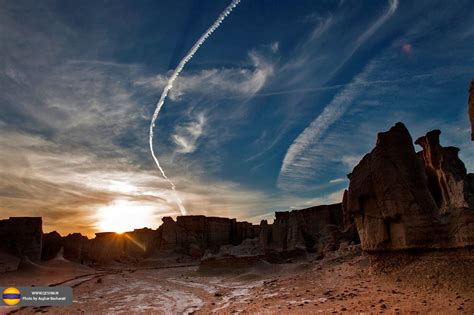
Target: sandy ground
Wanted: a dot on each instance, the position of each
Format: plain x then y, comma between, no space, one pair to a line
441,283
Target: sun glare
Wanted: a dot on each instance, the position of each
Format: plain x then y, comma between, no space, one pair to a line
122,216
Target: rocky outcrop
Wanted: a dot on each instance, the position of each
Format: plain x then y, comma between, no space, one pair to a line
76,247
232,258
22,236
106,247
139,243
402,200
448,181
470,104
314,229
52,244
194,234
189,235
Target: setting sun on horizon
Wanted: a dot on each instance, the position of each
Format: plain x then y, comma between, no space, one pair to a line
237,156
122,216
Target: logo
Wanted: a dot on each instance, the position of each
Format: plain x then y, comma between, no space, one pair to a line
11,296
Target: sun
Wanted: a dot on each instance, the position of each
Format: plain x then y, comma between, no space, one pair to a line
124,215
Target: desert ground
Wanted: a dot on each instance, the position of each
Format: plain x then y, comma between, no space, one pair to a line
350,283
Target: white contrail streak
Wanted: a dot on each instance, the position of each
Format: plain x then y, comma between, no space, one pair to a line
169,86
296,164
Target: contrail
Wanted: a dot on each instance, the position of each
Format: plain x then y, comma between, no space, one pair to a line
296,164
169,86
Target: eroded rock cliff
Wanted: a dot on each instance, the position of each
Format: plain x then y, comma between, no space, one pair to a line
314,229
194,234
22,236
401,200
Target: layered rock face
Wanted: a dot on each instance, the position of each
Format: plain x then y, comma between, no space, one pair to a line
195,234
402,200
313,229
448,181
471,108
22,236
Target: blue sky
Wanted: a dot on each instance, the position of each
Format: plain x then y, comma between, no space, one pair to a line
271,113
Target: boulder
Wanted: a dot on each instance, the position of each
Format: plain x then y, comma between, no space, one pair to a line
22,236
392,201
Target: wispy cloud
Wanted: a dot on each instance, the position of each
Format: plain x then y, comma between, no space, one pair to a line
236,81
298,162
299,159
186,135
39,179
337,180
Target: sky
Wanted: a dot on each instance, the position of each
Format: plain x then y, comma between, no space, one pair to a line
270,114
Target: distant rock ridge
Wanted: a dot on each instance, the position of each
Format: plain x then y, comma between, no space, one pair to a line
194,234
399,199
191,235
314,229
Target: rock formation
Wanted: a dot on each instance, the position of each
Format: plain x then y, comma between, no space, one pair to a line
402,200
231,257
189,235
106,247
448,181
76,247
314,229
471,108
139,243
52,244
22,236
194,234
